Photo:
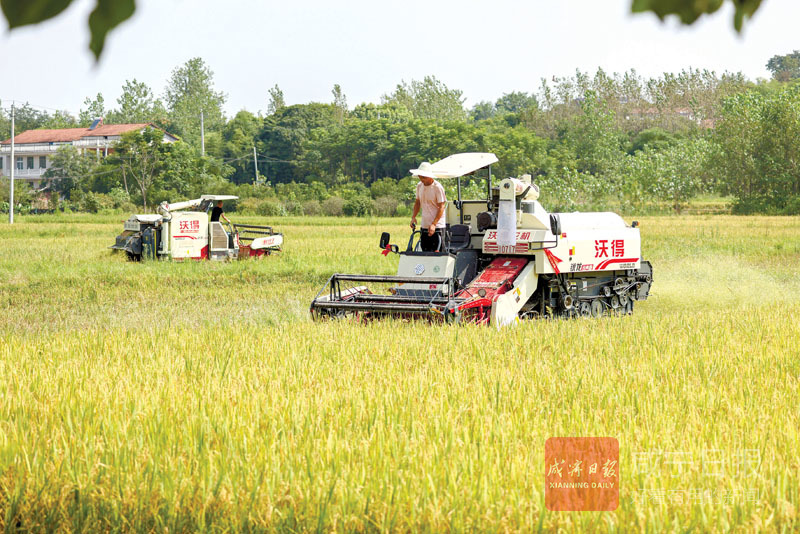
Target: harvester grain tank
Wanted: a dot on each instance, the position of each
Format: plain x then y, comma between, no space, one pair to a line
504,258
182,230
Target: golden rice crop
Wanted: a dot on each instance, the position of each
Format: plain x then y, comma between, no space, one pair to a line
199,396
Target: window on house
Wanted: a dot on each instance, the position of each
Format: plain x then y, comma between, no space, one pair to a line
30,162
19,163
42,162
2,159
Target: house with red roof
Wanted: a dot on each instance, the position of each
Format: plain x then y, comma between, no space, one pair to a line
33,149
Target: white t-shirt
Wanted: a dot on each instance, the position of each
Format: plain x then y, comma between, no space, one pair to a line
430,196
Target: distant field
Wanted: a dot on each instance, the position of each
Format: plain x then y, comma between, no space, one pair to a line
199,396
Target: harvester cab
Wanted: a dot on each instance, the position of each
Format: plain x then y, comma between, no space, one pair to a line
504,258
182,230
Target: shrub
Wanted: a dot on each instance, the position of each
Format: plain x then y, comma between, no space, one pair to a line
270,208
91,202
333,206
358,206
793,206
312,207
385,206
249,205
293,207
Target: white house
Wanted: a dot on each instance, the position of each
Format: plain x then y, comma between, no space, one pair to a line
33,149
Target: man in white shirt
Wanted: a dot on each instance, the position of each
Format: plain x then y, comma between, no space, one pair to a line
432,201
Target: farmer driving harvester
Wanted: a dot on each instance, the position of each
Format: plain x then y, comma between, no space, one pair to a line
217,212
431,200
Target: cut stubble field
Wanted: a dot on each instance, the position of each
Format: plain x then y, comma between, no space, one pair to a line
165,396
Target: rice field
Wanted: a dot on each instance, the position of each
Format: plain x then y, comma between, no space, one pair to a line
182,397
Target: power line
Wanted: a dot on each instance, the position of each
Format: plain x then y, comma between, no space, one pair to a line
20,103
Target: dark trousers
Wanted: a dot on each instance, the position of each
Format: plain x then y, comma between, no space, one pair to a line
432,243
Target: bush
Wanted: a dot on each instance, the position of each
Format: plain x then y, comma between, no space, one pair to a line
385,206
312,207
249,205
333,206
358,206
270,208
293,207
119,198
792,206
384,187
91,202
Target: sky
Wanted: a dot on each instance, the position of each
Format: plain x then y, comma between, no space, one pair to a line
483,48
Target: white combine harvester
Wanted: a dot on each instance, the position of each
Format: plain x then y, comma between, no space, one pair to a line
178,234
504,258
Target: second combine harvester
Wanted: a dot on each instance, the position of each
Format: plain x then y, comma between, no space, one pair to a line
504,258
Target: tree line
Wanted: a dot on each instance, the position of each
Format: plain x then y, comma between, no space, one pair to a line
591,141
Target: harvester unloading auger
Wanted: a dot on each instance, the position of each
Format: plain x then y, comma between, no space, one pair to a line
504,258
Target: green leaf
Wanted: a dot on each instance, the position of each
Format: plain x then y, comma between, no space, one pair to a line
690,10
23,12
107,15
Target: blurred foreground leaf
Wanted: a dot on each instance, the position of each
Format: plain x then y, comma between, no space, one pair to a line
106,15
690,10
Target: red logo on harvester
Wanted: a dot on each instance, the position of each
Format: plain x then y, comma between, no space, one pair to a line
581,474
189,226
601,248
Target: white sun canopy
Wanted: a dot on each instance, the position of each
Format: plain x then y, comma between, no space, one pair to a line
218,197
462,164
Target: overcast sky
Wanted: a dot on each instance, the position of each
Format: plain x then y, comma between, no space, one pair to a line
306,46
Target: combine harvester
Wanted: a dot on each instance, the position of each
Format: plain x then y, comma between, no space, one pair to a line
504,258
177,234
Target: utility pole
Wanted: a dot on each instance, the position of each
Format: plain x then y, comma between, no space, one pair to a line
255,163
13,167
202,135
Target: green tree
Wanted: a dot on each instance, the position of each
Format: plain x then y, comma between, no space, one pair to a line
69,169
276,100
595,138
189,92
138,105
340,103
758,159
25,118
140,156
238,139
786,67
482,110
93,109
429,99
60,119
516,102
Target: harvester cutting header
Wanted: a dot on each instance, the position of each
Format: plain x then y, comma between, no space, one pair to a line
503,258
182,230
